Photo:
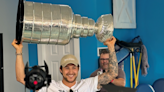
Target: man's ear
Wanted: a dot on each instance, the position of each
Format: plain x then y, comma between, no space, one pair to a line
60,71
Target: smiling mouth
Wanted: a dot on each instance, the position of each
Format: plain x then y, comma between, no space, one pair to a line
71,76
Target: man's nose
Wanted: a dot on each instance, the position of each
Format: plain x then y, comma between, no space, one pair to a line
105,61
70,71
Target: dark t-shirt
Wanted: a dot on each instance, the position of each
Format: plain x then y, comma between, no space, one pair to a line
121,74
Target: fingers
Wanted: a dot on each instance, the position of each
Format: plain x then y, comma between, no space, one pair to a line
111,40
114,38
14,42
21,42
17,46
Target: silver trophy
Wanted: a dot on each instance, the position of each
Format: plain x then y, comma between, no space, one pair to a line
42,23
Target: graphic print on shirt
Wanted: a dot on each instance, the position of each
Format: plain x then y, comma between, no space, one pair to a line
66,91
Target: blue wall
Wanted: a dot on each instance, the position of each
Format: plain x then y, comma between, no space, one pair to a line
33,54
150,28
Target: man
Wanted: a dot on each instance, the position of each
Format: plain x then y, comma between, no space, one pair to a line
103,63
69,70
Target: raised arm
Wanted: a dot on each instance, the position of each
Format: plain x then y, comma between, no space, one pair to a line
19,66
112,71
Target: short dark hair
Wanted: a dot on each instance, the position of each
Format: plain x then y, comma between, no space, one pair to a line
104,51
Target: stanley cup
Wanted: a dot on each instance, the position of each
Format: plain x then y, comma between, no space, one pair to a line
42,23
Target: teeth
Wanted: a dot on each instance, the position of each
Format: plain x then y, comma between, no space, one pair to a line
70,75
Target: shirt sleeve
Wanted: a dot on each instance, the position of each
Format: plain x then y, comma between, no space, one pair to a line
43,89
92,83
95,73
121,73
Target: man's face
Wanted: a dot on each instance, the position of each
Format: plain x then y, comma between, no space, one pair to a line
70,73
104,61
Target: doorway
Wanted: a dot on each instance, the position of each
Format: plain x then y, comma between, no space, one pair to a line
52,54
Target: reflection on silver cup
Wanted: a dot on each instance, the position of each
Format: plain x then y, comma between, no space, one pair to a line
56,24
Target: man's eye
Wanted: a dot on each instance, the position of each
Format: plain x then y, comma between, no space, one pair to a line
66,67
74,67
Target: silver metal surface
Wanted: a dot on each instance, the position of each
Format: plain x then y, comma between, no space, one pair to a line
73,26
28,22
46,23
37,23
78,26
105,27
91,28
56,21
66,24
85,23
56,24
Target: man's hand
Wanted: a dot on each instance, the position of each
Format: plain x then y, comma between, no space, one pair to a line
17,47
110,42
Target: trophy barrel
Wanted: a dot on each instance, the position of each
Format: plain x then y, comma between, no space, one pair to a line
56,24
